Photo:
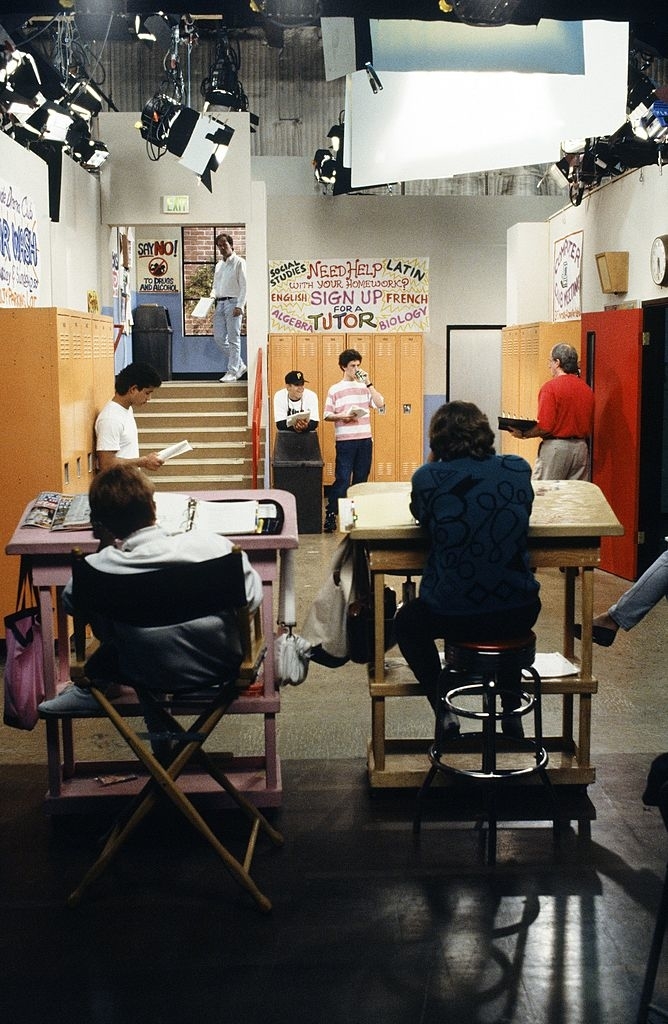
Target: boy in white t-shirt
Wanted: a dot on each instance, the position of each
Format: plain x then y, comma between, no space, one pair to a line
116,437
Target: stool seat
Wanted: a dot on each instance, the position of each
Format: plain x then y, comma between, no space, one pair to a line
487,671
476,656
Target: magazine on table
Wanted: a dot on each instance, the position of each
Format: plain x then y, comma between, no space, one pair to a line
52,510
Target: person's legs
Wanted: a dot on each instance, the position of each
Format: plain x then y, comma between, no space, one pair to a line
416,628
235,363
560,459
343,468
642,596
362,460
220,335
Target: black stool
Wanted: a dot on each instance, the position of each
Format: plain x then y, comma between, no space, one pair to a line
488,663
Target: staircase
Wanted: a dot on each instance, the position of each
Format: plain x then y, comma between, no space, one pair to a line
213,417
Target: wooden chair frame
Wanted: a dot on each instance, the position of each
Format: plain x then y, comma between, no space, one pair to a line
210,709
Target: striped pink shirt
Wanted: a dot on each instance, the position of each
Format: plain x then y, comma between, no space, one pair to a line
340,398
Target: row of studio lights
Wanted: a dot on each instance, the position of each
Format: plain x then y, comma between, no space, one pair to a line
41,109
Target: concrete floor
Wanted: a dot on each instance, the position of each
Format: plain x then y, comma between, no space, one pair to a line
369,923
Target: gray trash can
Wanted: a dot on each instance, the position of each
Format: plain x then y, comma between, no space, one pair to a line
152,338
297,468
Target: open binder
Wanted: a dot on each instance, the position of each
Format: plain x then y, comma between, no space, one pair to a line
179,513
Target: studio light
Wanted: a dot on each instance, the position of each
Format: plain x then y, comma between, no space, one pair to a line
82,98
157,118
200,141
51,122
324,167
221,87
20,84
328,167
655,121
335,136
142,30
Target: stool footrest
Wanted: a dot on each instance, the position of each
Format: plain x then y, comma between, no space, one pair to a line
527,702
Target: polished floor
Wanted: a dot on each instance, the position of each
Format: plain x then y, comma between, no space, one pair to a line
369,923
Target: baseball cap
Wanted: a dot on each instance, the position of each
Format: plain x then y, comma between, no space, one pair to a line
295,377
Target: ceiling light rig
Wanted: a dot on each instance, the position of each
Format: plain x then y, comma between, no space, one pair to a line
640,142
221,87
329,170
41,101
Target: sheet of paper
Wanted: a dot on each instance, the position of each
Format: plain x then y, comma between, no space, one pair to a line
553,664
203,308
173,450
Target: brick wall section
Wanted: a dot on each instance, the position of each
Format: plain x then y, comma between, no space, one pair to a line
199,246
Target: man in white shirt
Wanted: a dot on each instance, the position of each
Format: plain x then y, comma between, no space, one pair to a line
294,399
229,291
116,437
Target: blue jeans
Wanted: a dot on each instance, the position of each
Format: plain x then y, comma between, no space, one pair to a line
353,465
227,334
643,595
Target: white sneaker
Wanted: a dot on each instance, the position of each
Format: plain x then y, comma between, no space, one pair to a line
228,378
73,700
240,372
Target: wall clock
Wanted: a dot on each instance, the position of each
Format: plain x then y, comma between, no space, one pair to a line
658,260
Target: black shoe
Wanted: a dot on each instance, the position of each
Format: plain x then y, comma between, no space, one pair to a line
601,635
330,522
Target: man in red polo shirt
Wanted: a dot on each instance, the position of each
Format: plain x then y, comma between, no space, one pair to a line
565,420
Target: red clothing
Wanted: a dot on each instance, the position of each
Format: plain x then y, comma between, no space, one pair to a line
566,407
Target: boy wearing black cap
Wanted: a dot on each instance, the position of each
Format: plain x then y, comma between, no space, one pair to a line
293,399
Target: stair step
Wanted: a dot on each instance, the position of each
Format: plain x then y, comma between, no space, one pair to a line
214,419
231,481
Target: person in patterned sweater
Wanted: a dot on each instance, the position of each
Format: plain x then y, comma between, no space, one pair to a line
477,583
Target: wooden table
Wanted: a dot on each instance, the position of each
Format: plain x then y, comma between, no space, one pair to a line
568,519
72,784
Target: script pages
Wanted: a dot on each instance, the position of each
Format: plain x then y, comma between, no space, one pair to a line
179,513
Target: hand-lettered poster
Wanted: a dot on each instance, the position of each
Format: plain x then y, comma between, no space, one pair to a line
349,295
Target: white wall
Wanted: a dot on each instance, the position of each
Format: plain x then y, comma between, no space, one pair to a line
78,246
133,184
464,237
25,174
626,214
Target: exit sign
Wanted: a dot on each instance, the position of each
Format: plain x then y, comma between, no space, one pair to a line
176,204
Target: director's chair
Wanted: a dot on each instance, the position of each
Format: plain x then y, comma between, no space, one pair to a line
167,596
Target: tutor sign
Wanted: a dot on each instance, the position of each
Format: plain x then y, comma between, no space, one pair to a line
359,294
